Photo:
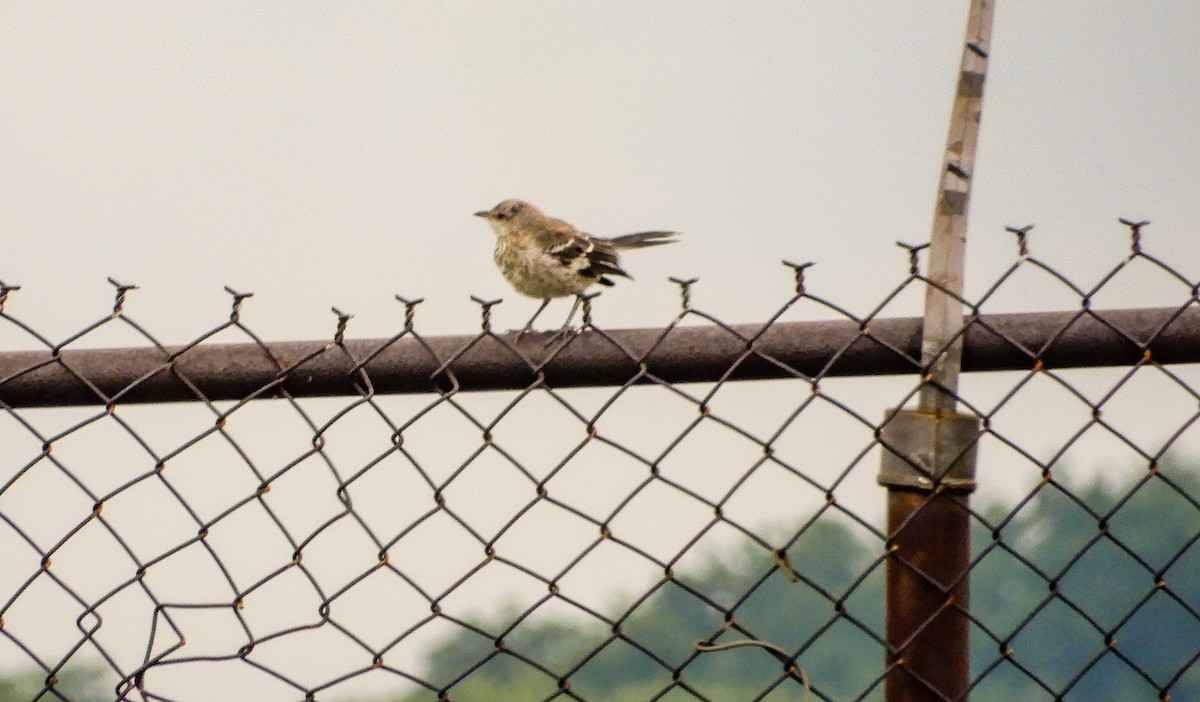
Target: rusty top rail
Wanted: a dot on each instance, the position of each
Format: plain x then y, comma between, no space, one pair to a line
683,354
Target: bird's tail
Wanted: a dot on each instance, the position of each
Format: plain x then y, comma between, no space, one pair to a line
643,239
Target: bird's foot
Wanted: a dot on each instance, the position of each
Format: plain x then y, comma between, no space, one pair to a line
561,335
552,338
520,334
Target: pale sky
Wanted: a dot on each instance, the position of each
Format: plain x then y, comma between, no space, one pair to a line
332,154
323,154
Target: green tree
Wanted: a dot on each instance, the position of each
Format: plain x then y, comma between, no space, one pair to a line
1087,593
833,611
1093,590
79,683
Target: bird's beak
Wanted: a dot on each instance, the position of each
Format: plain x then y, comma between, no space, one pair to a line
483,213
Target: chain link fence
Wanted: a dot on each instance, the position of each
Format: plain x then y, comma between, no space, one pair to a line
684,513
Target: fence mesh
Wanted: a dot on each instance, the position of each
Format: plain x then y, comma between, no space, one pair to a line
649,540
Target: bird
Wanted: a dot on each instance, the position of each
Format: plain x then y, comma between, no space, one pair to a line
546,258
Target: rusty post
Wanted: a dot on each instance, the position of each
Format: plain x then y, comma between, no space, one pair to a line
928,467
928,463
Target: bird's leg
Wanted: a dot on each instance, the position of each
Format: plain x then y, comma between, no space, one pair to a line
566,327
529,325
574,308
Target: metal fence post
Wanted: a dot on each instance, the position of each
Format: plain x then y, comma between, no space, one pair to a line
928,464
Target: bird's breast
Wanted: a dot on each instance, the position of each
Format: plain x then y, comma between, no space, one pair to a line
535,273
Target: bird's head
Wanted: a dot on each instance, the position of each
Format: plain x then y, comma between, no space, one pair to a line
509,214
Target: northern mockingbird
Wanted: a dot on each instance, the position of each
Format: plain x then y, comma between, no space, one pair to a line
545,258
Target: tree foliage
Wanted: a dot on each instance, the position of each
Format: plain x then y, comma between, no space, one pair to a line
1086,593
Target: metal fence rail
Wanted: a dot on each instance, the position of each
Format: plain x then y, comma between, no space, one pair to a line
613,517
410,363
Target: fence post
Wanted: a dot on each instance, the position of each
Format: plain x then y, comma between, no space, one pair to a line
928,465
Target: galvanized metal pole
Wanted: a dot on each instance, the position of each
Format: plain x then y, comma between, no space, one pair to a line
941,346
928,464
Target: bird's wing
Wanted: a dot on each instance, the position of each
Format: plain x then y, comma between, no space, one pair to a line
591,256
559,238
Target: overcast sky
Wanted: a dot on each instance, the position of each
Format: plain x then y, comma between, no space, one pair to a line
325,154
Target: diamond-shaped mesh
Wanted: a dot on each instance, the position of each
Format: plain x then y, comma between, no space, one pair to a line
688,513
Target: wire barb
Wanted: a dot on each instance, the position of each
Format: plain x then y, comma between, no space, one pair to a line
585,300
685,291
235,314
486,310
122,291
798,269
410,310
913,259
339,334
1022,236
5,289
1135,232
